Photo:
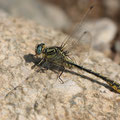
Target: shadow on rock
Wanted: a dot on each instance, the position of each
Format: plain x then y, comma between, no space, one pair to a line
57,69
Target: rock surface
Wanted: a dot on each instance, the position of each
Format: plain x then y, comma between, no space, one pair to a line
103,31
40,95
112,8
43,13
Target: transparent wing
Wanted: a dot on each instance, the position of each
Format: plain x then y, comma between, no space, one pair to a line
78,27
80,40
79,46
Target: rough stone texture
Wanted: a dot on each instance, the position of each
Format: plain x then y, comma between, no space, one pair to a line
41,96
103,32
112,7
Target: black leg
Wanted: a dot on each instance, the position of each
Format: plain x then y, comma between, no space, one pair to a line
60,76
39,63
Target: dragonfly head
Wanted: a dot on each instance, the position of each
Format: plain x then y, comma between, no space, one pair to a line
39,49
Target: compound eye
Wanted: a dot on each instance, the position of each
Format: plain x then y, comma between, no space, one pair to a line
39,49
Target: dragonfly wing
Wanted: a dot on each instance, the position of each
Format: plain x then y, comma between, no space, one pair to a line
79,46
80,40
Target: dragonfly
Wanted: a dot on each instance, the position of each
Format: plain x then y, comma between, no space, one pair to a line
59,55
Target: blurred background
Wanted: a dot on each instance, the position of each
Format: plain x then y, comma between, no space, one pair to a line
103,21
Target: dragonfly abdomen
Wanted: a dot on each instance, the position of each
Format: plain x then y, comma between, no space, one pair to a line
113,84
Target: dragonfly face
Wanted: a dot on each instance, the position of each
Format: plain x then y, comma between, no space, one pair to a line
39,48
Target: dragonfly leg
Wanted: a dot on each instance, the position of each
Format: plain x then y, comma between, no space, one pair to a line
39,63
59,77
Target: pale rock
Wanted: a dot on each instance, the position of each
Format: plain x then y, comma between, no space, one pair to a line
39,96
